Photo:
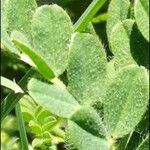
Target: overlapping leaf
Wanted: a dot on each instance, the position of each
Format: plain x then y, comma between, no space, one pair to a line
128,45
141,10
126,100
118,11
87,68
51,32
19,15
53,99
85,130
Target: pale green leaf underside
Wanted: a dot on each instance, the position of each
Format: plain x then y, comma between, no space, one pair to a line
24,46
117,11
19,15
51,32
53,99
11,85
128,45
87,68
126,100
86,131
141,10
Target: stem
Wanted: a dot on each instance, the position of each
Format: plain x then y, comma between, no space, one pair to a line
21,127
87,16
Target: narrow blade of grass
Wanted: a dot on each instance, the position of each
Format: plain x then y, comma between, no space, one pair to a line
87,16
21,127
10,101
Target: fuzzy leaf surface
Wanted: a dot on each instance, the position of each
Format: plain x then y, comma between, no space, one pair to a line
20,40
19,15
141,10
51,32
85,130
53,99
117,11
126,100
87,68
128,45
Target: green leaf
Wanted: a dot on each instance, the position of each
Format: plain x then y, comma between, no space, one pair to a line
39,61
19,15
52,28
10,101
11,85
35,128
21,127
128,45
5,39
87,68
126,100
141,10
85,130
118,11
53,99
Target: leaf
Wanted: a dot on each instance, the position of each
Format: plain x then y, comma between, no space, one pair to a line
10,101
85,130
5,39
87,68
52,28
141,10
126,100
11,85
19,15
128,45
54,99
41,64
117,11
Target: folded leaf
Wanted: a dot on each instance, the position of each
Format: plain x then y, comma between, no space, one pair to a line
51,31
87,68
126,100
128,45
118,11
24,46
85,130
141,10
19,15
54,99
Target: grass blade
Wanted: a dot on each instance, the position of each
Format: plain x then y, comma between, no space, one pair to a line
88,15
21,127
10,101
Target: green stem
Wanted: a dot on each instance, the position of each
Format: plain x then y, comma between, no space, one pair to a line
21,127
88,15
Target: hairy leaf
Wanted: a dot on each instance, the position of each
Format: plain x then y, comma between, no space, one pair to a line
41,64
53,99
141,10
5,39
128,45
19,15
85,130
51,30
117,11
126,100
87,68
